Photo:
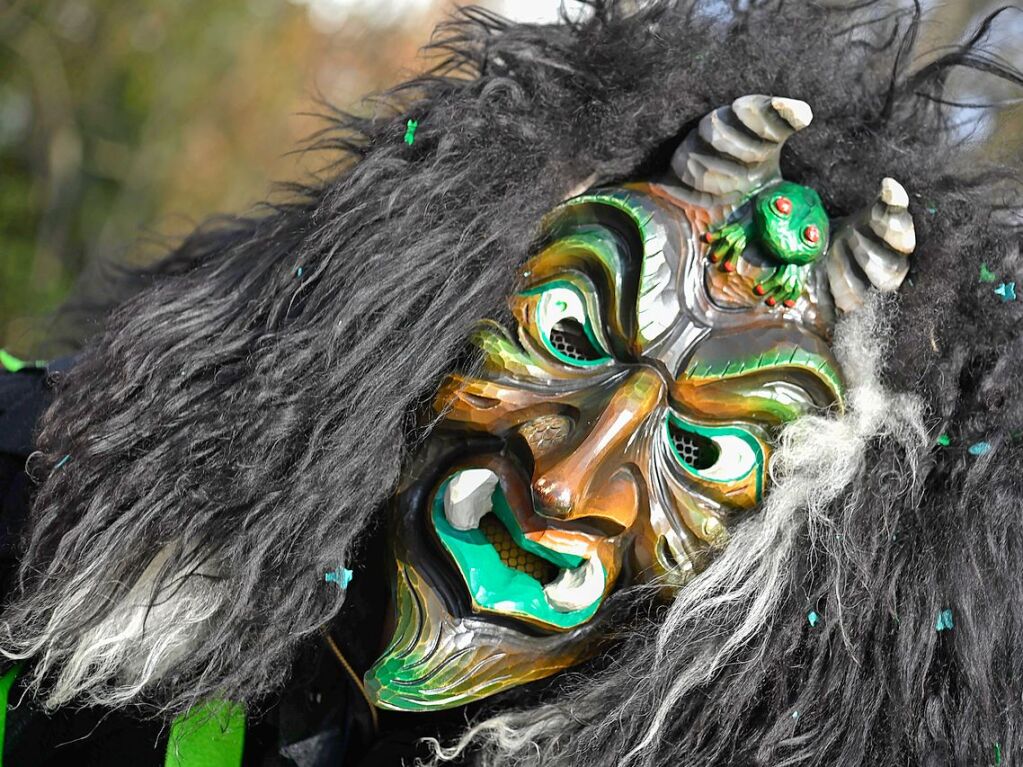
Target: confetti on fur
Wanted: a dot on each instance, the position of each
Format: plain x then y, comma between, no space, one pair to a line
342,576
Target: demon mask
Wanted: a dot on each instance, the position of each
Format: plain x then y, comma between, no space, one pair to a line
664,332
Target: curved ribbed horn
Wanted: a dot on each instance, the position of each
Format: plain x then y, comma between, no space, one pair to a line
735,149
871,248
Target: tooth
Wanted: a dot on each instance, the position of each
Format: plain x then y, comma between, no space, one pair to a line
577,588
467,497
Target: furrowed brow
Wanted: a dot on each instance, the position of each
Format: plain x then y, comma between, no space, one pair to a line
629,237
774,373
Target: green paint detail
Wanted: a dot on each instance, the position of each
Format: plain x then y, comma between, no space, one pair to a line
635,206
651,228
500,352
210,735
598,242
998,753
785,283
639,208
12,364
986,275
388,679
716,431
730,242
6,682
495,586
944,440
780,358
415,673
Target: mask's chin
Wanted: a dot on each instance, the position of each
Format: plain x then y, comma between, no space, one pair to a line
482,604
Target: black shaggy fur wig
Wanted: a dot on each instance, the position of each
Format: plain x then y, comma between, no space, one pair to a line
239,423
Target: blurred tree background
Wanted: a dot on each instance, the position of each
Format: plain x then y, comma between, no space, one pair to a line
121,120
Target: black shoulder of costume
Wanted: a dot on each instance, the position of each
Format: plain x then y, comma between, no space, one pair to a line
32,737
23,398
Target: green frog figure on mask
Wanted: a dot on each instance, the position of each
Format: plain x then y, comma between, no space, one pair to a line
788,223
616,431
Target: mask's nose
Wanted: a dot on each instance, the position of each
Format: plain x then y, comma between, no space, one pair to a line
590,481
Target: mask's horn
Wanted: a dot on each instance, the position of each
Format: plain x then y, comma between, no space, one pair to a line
735,150
871,249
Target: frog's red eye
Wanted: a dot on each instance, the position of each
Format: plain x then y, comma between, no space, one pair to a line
783,205
812,234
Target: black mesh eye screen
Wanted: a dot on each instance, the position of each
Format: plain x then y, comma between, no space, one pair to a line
569,338
697,451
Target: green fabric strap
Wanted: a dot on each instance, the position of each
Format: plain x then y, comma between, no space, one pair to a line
12,364
210,735
5,688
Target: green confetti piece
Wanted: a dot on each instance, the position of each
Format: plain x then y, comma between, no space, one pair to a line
410,131
1006,291
998,753
945,622
943,440
986,275
342,576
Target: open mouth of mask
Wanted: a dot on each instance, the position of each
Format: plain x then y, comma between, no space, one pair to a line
532,575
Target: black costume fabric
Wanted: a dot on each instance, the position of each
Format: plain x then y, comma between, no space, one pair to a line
251,406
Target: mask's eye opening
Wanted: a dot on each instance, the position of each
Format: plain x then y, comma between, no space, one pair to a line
564,325
568,338
695,450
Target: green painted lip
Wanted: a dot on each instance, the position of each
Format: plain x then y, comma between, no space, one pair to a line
493,585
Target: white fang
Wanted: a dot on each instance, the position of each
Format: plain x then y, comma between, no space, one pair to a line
467,498
577,588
